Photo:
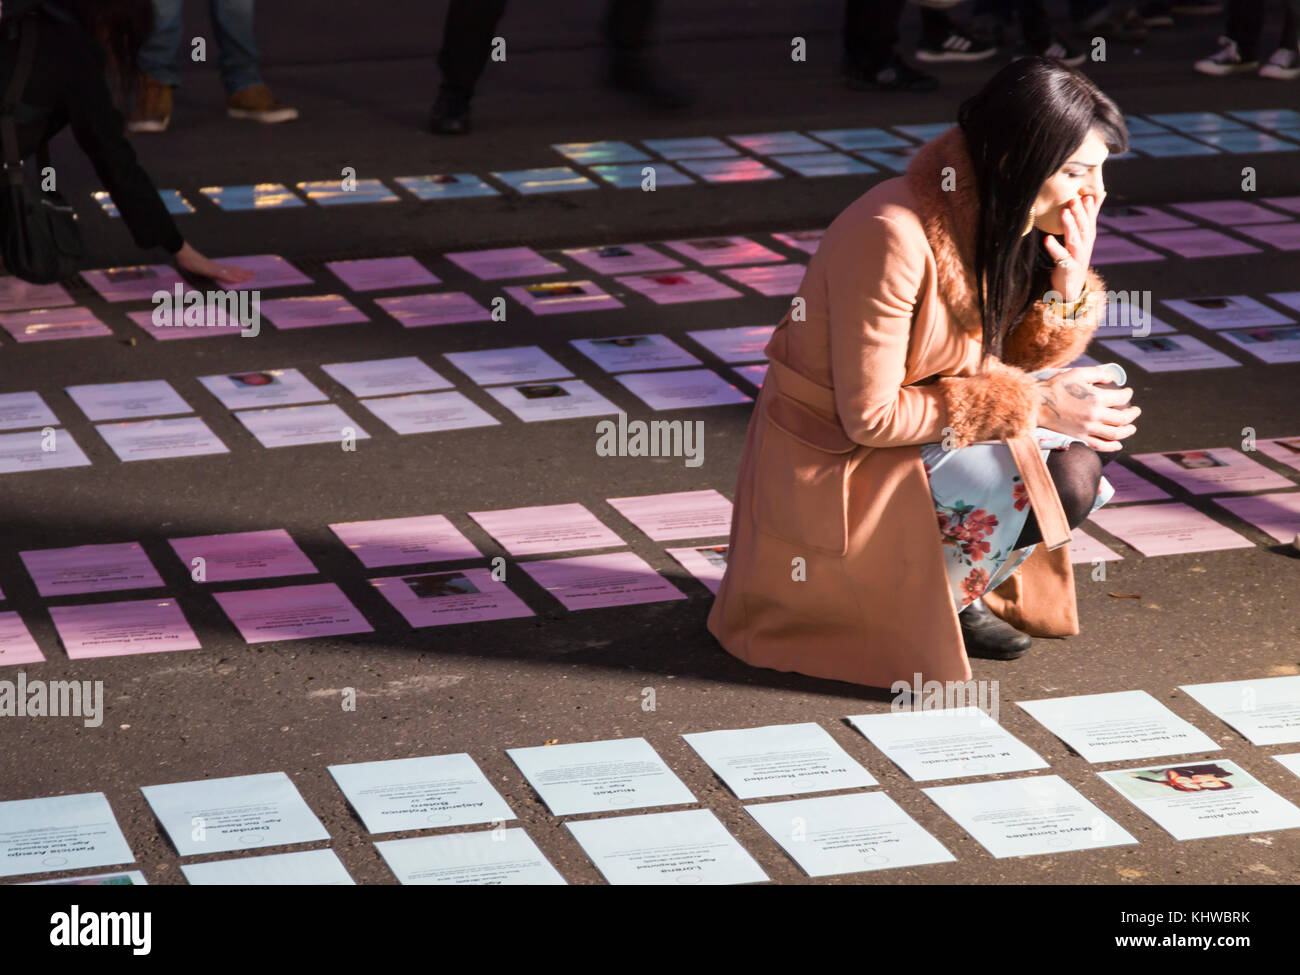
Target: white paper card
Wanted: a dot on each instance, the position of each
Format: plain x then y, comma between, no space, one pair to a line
592,776
946,743
1118,726
779,760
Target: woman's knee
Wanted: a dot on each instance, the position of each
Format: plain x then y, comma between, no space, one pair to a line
1076,473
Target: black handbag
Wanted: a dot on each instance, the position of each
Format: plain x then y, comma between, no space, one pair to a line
40,241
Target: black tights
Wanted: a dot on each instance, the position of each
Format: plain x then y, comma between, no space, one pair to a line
1076,472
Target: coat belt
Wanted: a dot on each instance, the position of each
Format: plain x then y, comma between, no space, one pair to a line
1028,456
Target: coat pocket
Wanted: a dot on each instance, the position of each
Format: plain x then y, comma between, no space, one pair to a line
800,485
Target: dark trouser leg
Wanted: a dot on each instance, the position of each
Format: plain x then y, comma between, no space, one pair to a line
1290,24
1245,24
627,24
871,32
467,43
1076,472
936,25
1034,24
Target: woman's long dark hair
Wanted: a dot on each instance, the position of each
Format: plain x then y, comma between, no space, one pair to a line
1020,128
121,27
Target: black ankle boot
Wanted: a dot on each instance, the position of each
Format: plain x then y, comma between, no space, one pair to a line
985,635
450,115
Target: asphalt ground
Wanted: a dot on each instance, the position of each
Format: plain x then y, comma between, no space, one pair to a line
232,708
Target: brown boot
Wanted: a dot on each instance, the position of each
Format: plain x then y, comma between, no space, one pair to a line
153,110
257,103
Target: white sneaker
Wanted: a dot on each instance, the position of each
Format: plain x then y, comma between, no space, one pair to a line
1284,65
1227,61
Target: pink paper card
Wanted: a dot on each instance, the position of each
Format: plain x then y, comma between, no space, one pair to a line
1283,236
296,426
429,412
182,436
707,563
801,240
1291,203
1168,529
1274,514
1217,312
728,170
38,450
45,324
135,283
90,568
443,308
1085,548
504,262
1129,486
772,280
27,409
382,273
1198,243
310,311
623,259
271,271
515,364
540,402
743,343
118,629
681,389
623,353
678,287
546,528
1114,249
270,387
1230,212
382,377
682,514
1213,470
242,555
1284,450
718,251
292,612
1273,343
1129,219
593,581
1169,353
164,324
443,598
405,541
562,296
16,643
17,294
1289,298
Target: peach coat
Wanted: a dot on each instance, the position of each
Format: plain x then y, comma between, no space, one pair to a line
835,567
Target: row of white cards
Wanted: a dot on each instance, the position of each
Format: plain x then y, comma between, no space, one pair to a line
326,423
386,377
829,835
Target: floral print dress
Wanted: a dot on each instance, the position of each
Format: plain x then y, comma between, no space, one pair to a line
982,507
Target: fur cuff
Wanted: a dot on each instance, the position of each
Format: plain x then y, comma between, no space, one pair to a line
1045,339
992,405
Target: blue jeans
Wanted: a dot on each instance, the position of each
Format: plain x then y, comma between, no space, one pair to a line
232,23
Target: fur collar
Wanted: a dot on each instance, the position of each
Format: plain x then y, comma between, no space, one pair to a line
949,218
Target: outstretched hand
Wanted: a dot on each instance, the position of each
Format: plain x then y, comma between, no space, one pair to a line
191,260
